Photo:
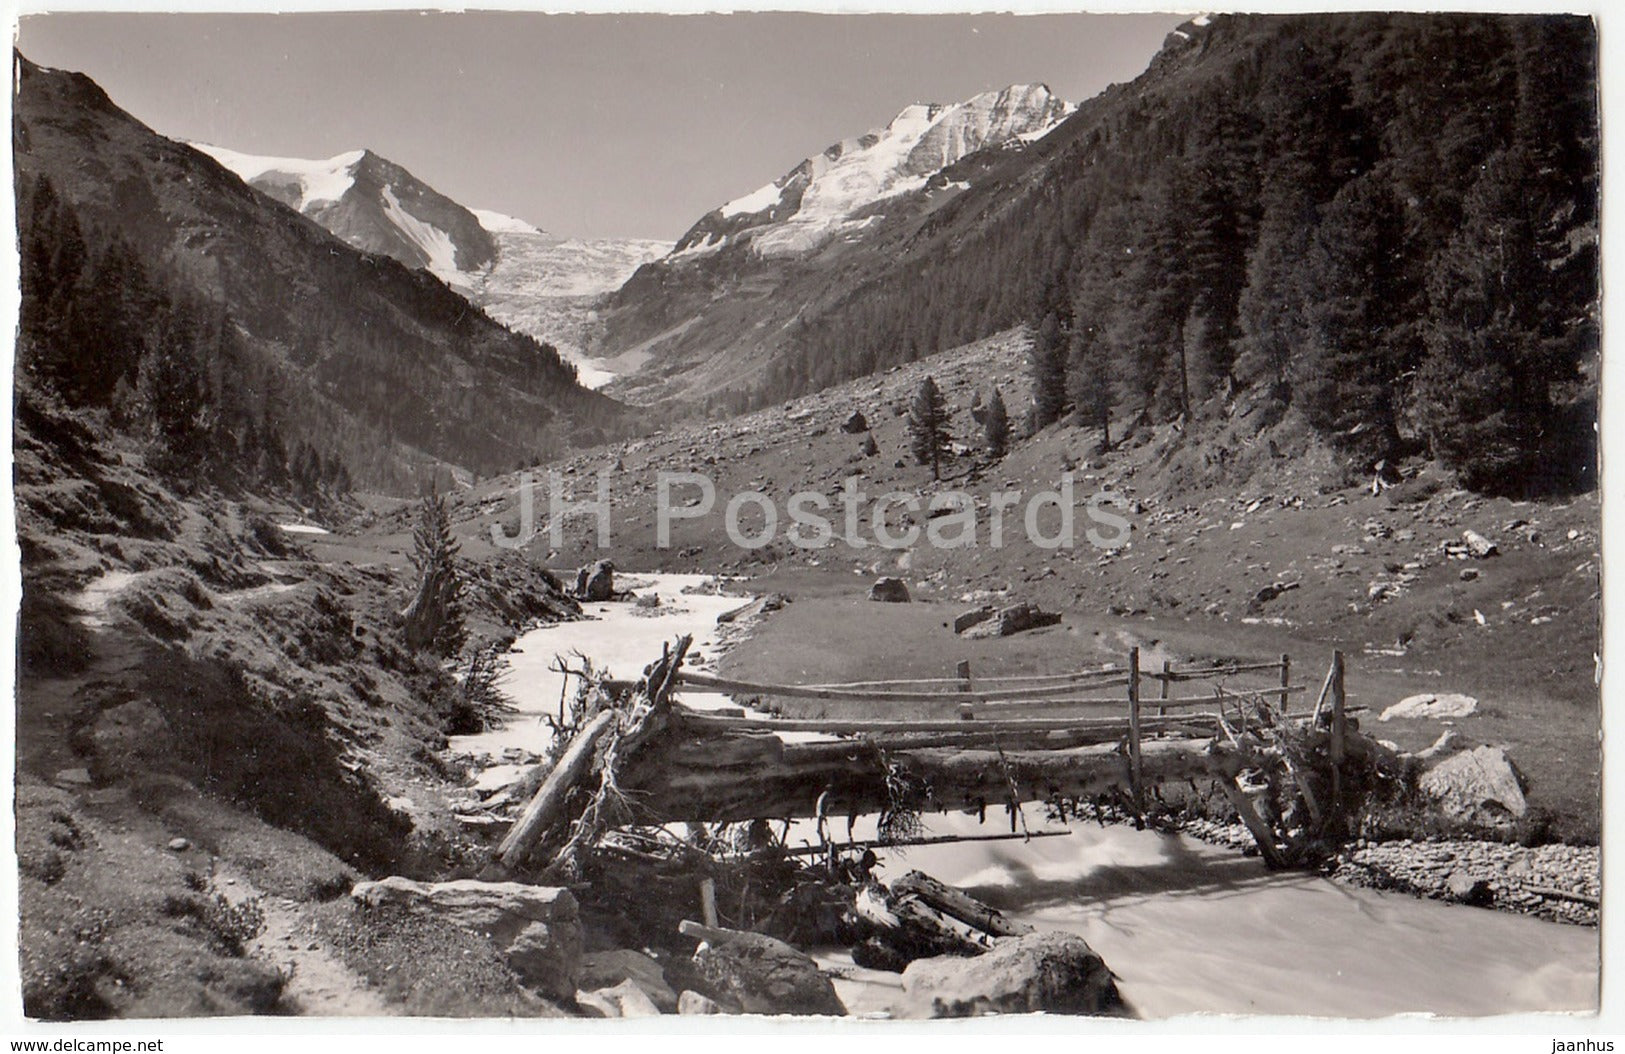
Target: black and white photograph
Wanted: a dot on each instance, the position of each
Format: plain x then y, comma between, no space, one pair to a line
875,516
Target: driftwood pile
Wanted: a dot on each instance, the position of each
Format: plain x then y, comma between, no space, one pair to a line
918,917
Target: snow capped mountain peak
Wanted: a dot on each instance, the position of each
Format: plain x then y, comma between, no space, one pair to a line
374,204
501,223
818,198
317,181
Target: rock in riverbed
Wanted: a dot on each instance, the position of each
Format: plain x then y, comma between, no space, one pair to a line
752,973
1470,888
597,582
1057,973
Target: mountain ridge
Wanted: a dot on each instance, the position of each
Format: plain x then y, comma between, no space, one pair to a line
538,283
383,366
374,204
820,197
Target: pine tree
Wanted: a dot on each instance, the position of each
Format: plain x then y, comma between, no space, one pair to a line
1051,344
1492,349
1348,378
996,426
928,427
433,621
1273,304
1089,384
173,395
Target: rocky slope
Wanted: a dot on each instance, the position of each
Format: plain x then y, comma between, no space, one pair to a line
218,730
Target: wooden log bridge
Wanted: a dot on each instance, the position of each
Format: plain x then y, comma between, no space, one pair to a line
649,759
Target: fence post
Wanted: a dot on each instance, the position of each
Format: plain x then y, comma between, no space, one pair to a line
966,712
1162,696
1286,680
1339,732
1134,729
708,902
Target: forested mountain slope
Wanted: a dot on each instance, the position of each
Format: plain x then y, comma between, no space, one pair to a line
157,285
1385,223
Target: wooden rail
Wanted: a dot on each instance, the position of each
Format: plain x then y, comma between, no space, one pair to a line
802,691
1202,673
1025,680
699,719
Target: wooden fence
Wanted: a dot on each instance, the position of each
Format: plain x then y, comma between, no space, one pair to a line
1018,737
1034,705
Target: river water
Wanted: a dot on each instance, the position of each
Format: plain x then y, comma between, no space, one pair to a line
1187,927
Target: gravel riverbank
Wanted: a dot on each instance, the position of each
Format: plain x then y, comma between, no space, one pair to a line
1536,881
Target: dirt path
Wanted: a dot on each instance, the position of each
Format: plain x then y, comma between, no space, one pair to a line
92,601
319,984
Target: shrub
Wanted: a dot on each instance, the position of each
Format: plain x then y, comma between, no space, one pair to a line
478,704
232,926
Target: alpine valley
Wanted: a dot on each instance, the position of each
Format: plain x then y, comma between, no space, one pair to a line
324,708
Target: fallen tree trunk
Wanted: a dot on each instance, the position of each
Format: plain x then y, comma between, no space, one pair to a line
642,725
678,779
958,904
902,927
909,843
625,732
546,808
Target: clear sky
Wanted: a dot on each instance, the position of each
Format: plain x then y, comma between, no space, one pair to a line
585,125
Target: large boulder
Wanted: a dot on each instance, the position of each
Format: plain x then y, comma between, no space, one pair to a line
597,582
855,424
974,617
693,1004
889,591
753,973
623,965
1055,973
1470,888
537,929
1479,786
623,1000
1017,618
1431,705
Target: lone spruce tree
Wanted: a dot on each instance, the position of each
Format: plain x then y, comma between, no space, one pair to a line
996,426
433,621
928,427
